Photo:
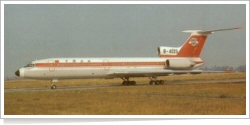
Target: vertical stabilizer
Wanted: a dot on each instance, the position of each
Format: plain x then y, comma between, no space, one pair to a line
193,46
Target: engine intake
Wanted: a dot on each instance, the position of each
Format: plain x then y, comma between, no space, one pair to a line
179,64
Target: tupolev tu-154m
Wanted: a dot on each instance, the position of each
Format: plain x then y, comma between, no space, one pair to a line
171,60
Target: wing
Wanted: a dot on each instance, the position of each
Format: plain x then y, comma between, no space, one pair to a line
150,73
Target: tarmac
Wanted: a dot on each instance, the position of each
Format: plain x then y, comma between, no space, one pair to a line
84,87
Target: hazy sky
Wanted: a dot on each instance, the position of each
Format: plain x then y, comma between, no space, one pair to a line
43,31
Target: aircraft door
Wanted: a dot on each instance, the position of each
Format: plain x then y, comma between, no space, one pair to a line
51,65
106,65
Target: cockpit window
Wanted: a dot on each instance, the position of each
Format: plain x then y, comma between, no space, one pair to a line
30,65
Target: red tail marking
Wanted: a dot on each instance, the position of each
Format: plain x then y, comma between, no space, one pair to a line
193,46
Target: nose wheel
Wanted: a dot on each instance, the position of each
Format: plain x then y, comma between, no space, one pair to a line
53,86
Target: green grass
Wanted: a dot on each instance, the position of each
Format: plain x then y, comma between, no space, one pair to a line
188,99
171,99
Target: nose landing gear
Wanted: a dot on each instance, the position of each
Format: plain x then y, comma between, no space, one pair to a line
53,86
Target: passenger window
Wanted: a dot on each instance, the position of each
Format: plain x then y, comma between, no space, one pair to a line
164,50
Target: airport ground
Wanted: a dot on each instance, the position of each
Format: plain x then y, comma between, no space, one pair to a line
203,94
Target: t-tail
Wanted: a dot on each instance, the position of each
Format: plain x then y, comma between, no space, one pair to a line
192,47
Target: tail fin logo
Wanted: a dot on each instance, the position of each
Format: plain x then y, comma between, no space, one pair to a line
193,42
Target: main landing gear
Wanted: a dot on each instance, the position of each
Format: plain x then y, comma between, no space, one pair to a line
53,86
154,81
127,82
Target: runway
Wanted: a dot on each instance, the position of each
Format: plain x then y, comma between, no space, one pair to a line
84,87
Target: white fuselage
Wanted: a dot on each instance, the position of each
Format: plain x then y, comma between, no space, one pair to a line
80,68
171,60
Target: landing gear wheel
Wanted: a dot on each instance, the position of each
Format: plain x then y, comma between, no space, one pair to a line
161,82
127,82
133,82
53,87
151,82
124,83
156,82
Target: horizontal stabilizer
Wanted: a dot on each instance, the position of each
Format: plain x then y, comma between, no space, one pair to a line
207,32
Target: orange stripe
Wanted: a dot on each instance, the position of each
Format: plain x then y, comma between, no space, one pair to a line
99,64
104,64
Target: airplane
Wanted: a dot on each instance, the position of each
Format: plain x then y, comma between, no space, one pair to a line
171,60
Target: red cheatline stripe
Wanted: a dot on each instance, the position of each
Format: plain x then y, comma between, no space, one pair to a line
87,64
99,64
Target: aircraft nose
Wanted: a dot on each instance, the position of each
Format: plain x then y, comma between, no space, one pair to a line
17,73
